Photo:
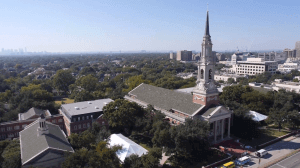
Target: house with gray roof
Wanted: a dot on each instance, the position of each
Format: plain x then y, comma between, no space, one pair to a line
33,113
79,116
43,144
201,102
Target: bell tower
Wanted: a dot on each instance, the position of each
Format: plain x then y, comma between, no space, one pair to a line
43,128
205,92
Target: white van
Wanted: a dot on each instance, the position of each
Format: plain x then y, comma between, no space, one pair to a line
261,153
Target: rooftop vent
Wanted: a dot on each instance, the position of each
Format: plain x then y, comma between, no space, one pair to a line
90,102
96,107
105,103
77,108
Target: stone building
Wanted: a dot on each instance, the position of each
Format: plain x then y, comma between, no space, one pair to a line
203,103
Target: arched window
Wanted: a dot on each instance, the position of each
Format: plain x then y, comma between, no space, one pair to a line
209,75
202,72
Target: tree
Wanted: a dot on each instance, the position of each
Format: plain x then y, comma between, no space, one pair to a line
122,114
230,80
11,155
295,80
88,83
84,139
62,79
77,159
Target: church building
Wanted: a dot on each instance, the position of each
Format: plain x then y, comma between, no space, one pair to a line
203,103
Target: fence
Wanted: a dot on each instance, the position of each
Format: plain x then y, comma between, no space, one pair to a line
275,140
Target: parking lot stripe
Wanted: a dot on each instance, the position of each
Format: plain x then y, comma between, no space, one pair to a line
280,165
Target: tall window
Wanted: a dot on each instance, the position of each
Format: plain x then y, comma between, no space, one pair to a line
209,75
202,73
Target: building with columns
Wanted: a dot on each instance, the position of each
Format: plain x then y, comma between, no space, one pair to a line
202,103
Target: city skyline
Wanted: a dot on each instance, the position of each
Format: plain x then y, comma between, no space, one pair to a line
152,26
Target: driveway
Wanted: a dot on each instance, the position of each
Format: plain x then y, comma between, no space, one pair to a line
276,151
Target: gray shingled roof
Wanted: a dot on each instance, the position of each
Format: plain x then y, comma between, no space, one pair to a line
31,112
208,111
31,144
165,98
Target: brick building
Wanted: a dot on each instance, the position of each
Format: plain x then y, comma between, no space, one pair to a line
79,116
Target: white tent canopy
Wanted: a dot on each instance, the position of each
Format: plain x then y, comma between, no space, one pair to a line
129,147
257,116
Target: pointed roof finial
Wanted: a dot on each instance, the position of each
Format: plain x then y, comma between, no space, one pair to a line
207,6
206,33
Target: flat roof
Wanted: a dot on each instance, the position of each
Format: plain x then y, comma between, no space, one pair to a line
85,107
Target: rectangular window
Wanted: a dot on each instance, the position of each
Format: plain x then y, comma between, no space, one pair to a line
84,125
60,120
75,127
88,125
17,127
53,121
83,118
78,118
2,129
87,117
9,128
103,123
79,126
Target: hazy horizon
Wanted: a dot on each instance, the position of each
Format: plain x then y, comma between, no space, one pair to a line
135,25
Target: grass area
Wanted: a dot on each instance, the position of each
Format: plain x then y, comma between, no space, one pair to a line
265,136
65,100
262,90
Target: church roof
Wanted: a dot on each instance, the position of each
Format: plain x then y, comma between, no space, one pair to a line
165,98
33,145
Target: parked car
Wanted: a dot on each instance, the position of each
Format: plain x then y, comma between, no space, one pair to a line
243,160
229,165
261,153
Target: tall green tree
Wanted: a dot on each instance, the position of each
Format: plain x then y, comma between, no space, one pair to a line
62,80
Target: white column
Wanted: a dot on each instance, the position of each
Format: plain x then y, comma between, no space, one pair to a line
229,127
222,128
215,131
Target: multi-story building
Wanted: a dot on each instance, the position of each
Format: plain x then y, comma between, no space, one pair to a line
255,66
172,55
79,116
184,55
220,57
297,48
11,129
289,53
267,56
225,77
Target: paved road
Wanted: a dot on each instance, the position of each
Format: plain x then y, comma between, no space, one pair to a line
290,162
275,151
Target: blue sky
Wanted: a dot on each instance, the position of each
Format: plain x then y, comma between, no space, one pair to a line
152,25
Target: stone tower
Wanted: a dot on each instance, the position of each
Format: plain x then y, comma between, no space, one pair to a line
205,92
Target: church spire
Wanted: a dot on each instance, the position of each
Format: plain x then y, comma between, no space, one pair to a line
206,33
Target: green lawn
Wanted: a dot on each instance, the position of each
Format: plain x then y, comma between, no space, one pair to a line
265,136
65,100
262,90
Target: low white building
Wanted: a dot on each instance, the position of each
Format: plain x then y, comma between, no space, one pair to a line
225,77
186,75
288,86
255,66
128,146
287,67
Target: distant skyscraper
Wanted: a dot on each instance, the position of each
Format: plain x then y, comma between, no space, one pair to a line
172,55
297,48
184,55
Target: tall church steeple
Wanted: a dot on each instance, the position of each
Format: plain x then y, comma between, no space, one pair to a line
205,92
